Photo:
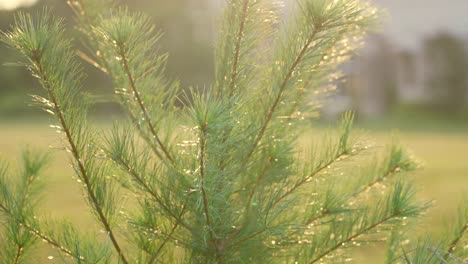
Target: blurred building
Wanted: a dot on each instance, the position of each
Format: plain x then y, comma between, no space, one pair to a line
384,74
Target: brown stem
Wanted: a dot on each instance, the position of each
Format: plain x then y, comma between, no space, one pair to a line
18,254
202,180
240,35
454,242
76,155
213,238
140,102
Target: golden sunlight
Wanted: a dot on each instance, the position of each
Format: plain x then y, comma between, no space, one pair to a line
13,4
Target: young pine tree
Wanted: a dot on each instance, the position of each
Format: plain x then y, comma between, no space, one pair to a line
224,177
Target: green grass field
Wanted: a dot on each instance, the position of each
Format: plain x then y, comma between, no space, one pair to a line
443,178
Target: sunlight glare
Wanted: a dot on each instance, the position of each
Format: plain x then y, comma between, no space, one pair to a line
13,4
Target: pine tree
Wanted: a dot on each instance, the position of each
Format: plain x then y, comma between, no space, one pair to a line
218,175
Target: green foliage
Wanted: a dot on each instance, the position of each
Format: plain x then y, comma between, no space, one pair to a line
17,201
449,249
224,178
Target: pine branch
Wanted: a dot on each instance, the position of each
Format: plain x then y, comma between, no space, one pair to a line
250,197
126,167
325,213
398,204
41,235
245,25
202,185
52,62
81,11
378,180
17,204
453,244
140,101
158,251
54,243
142,132
313,174
168,236
257,183
106,60
340,244
240,35
282,88
247,238
36,58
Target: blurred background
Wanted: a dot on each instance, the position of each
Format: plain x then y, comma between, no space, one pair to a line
411,76
414,72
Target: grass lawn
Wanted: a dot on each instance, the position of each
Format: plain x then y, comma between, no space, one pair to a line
443,178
